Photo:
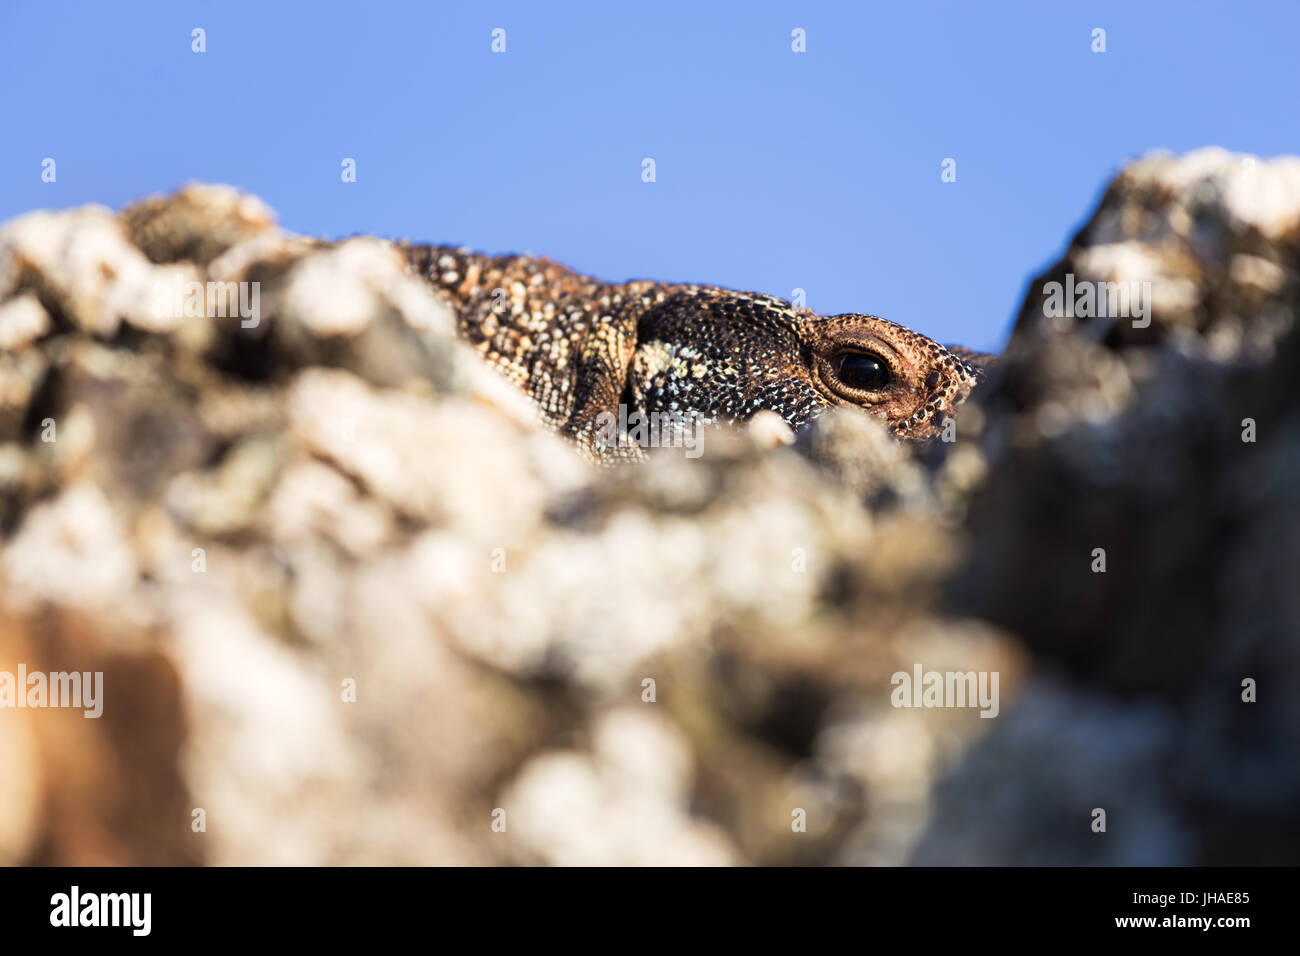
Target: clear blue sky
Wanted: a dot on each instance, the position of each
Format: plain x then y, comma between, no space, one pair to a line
775,170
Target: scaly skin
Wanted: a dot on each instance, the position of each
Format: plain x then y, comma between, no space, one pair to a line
580,347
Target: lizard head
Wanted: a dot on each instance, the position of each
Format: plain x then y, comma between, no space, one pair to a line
726,356
903,377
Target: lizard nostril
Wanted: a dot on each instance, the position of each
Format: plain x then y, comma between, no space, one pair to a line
932,380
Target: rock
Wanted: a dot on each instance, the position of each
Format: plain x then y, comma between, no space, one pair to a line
354,604
196,224
81,266
356,307
70,552
104,790
22,322
1214,235
1159,452
625,804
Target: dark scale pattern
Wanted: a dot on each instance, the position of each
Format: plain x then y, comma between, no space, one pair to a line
579,347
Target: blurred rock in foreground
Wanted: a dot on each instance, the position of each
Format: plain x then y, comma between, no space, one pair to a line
352,605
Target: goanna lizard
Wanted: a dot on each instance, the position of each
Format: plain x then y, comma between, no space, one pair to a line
580,348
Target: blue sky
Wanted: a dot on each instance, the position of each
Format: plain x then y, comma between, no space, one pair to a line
775,170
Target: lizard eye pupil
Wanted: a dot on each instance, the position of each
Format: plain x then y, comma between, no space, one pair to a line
866,372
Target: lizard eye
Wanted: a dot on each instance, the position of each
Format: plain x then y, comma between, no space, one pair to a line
863,371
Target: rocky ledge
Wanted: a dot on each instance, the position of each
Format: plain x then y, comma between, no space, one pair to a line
351,604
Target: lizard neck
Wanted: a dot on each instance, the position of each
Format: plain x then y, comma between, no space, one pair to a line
462,275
